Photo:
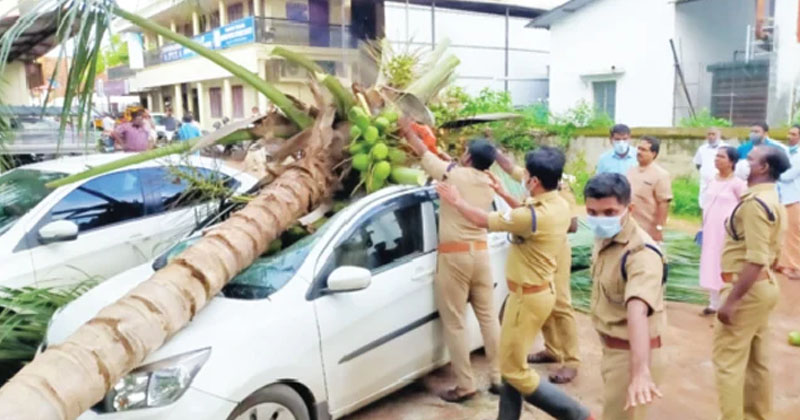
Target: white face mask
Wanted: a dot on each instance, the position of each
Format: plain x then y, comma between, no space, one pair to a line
620,146
605,227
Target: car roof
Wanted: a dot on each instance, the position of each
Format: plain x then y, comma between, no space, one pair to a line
75,164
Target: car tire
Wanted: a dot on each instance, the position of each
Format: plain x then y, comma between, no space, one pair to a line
275,402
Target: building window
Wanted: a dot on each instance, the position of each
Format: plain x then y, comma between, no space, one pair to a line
213,20
238,101
235,12
251,5
215,100
605,97
188,30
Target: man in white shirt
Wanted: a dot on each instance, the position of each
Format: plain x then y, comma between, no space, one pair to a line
704,159
789,193
108,123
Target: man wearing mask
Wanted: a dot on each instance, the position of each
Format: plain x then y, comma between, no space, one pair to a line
538,230
628,311
704,160
652,189
759,135
621,157
741,336
789,191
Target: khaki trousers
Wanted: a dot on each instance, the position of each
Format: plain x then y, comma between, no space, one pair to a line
740,355
465,277
615,369
523,319
560,330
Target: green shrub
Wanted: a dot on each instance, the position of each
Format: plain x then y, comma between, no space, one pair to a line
578,168
685,190
703,118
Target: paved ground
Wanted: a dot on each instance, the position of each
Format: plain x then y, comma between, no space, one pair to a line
688,387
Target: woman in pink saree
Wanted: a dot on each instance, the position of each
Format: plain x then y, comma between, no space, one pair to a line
721,196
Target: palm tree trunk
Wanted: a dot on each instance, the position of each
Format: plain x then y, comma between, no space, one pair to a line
70,377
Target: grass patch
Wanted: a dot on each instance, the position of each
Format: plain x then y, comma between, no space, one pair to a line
685,190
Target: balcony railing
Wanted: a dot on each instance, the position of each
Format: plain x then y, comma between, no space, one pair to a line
262,30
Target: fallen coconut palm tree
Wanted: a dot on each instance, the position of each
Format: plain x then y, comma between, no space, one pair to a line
70,377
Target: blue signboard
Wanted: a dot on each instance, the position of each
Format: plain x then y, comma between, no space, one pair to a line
239,32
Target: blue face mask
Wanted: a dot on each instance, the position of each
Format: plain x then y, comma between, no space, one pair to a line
755,138
794,149
620,146
605,227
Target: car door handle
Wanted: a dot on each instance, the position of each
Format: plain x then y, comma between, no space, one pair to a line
422,274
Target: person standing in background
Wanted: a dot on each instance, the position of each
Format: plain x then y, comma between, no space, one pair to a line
132,136
759,135
721,196
188,129
621,157
705,158
789,191
652,189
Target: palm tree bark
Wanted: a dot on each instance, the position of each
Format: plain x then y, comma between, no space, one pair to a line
68,378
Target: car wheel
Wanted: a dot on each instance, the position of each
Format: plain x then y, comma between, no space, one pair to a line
275,402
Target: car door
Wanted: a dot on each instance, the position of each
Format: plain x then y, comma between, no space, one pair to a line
175,206
379,338
107,210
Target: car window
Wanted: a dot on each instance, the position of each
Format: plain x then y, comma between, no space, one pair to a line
383,240
20,191
103,201
171,187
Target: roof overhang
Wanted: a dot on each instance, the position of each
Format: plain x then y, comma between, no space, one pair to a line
497,7
36,41
560,12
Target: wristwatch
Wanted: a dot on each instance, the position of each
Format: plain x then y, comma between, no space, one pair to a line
659,228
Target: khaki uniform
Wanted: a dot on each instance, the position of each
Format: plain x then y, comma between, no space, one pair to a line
610,294
740,350
463,270
539,231
649,186
560,330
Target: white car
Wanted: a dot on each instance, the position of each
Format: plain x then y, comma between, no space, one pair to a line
339,319
101,226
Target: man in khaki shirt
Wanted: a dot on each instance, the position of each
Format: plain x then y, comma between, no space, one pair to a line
538,232
463,270
741,333
627,299
652,189
560,331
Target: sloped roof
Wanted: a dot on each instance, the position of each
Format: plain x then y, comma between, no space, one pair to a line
560,12
36,41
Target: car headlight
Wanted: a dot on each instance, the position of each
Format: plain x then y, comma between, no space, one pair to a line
156,384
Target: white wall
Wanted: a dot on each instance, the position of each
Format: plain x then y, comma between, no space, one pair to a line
478,40
14,85
708,32
786,71
629,35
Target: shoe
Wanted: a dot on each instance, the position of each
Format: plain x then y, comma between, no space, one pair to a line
454,396
708,312
510,406
555,402
495,388
542,357
563,375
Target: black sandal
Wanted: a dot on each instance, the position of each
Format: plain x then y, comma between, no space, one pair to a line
452,395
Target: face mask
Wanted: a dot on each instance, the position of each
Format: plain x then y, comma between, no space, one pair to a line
793,149
605,227
620,146
755,138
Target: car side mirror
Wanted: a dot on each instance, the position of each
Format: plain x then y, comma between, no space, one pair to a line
58,231
348,279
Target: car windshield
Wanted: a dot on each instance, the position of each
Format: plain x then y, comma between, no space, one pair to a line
158,119
20,191
267,274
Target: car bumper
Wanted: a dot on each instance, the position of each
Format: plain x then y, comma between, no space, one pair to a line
194,404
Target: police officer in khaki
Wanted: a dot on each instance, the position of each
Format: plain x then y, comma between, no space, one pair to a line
755,229
463,269
538,232
560,331
628,274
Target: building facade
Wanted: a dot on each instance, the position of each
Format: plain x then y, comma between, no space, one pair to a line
737,59
496,50
245,31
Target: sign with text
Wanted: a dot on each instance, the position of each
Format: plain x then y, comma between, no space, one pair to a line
237,33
